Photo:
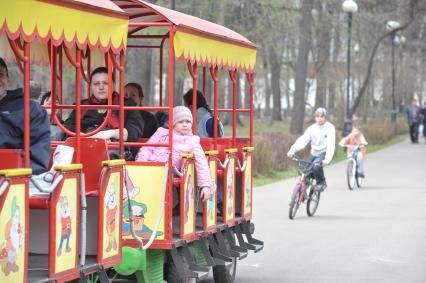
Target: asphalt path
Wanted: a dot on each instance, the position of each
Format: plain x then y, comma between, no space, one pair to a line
373,234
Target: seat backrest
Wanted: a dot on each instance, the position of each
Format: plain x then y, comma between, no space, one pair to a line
222,144
10,158
92,152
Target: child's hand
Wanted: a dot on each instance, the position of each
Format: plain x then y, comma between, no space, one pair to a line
205,193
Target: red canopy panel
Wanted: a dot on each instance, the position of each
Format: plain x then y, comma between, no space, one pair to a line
143,12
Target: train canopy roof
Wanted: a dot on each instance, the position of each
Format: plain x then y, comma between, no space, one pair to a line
83,23
196,40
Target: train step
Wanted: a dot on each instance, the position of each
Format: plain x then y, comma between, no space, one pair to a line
252,243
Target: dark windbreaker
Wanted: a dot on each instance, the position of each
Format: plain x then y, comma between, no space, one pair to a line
12,129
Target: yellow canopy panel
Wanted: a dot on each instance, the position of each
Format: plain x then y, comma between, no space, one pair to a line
212,52
84,23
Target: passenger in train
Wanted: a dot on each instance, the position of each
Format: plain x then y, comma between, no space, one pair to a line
134,91
56,134
205,121
183,142
93,118
12,124
162,118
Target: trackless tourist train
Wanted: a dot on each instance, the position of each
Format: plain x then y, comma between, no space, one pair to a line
92,218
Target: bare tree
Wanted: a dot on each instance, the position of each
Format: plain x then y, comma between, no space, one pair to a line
298,113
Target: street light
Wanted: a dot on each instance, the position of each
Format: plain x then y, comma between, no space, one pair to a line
350,7
393,26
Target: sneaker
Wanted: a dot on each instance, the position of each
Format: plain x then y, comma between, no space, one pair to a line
320,187
361,175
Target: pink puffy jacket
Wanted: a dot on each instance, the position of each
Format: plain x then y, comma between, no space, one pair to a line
181,144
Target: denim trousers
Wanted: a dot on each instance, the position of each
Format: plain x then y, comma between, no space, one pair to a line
317,169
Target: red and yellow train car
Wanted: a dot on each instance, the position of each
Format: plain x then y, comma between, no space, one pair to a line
96,219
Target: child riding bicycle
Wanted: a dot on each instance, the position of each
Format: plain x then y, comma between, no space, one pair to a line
356,138
322,137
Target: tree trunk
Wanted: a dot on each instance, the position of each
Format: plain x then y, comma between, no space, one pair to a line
267,86
274,63
298,113
323,61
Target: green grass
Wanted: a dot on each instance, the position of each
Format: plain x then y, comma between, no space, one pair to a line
340,155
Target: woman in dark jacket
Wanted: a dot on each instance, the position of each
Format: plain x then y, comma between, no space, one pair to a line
93,118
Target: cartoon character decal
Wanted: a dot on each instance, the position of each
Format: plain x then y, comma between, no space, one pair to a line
210,206
14,239
138,209
247,189
111,216
230,186
188,196
65,221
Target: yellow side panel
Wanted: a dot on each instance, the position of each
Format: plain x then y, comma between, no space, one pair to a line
12,236
247,187
211,203
111,216
144,189
66,227
230,190
189,201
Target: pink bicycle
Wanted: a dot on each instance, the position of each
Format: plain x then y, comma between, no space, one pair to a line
304,190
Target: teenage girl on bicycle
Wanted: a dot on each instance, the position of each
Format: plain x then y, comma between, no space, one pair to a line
356,138
322,137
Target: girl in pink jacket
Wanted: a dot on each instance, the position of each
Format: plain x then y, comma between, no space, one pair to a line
183,142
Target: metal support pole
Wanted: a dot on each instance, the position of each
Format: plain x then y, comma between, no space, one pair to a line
393,112
348,122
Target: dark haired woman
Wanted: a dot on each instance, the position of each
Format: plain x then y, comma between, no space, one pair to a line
56,133
93,118
205,121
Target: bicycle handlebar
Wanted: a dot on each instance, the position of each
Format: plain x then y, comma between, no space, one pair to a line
348,145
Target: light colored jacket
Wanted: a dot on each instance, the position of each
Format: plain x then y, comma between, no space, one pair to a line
204,116
322,139
350,140
181,144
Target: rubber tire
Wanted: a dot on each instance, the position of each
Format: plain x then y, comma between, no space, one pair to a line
173,277
358,181
312,205
350,173
294,203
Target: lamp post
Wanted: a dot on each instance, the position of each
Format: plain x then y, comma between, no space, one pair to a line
350,7
392,26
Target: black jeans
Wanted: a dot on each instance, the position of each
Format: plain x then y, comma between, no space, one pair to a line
414,132
317,169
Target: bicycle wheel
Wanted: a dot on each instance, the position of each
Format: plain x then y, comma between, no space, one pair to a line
294,202
358,181
350,172
313,202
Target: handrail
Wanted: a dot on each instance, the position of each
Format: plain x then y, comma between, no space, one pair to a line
18,172
244,166
83,222
51,188
3,186
160,215
224,164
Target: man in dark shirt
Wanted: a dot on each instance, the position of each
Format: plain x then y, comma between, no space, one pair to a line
134,91
413,120
12,124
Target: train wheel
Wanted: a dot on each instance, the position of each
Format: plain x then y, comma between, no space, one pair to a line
92,278
173,276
